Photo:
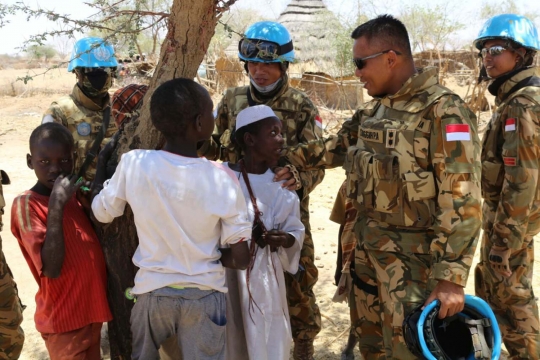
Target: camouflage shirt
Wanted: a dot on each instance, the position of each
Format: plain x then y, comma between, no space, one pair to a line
300,119
83,118
510,164
413,168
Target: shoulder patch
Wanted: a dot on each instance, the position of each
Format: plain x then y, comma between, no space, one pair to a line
318,121
458,132
510,124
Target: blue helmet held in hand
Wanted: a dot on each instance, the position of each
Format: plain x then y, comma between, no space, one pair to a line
471,334
92,52
266,41
513,27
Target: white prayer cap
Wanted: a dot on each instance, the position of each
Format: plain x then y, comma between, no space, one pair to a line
253,114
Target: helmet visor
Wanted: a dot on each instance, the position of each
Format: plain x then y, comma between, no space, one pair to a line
262,49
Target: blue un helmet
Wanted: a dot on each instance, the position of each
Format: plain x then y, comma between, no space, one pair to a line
512,27
92,52
266,41
471,334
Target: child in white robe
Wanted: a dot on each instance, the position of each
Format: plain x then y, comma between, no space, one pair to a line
258,321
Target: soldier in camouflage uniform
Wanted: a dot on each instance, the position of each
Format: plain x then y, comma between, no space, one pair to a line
267,50
94,64
511,182
11,333
412,159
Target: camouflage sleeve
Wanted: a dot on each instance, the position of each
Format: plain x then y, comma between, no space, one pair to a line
521,157
57,114
310,130
455,157
326,153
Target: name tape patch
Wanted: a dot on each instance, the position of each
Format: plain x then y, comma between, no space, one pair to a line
371,135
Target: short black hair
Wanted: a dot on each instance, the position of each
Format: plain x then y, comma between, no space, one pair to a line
54,132
176,103
386,30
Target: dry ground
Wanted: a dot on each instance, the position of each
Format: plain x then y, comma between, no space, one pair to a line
22,113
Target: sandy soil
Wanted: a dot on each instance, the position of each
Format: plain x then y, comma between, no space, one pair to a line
21,114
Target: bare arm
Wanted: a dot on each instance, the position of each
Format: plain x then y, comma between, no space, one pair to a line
236,256
53,250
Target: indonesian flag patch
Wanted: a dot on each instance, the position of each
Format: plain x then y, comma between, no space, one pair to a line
458,132
510,125
318,121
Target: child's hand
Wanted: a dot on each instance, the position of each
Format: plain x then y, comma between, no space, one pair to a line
277,238
83,195
63,189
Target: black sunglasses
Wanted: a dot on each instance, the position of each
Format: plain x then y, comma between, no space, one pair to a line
493,51
361,62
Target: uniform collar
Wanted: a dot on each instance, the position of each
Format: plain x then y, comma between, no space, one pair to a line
78,96
501,86
413,92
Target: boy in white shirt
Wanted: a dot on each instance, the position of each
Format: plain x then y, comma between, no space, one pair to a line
184,208
259,326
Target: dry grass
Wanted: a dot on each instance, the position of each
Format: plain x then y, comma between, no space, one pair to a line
46,82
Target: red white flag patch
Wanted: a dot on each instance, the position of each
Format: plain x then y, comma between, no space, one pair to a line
318,121
509,161
510,125
458,132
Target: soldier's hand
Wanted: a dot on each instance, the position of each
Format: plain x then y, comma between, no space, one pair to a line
498,259
292,180
451,296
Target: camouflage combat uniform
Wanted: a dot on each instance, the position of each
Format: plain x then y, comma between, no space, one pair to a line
413,168
511,210
11,333
83,118
297,114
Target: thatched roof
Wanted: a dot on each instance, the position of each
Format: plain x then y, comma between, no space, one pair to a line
313,28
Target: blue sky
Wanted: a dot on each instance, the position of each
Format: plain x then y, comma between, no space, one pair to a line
466,11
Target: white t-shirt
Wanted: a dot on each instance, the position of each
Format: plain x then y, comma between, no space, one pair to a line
183,209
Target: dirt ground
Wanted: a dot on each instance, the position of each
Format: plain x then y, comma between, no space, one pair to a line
23,112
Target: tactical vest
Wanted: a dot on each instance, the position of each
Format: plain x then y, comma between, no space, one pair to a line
383,175
493,168
284,106
84,124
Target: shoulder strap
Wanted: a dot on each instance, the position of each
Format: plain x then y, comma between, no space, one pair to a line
92,153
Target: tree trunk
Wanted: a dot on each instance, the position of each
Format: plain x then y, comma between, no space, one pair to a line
191,26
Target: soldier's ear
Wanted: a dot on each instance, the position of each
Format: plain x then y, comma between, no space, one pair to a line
391,59
29,161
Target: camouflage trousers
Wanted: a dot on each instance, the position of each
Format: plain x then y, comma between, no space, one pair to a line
392,285
512,299
11,333
303,309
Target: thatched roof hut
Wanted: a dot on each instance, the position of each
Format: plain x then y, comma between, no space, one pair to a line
314,30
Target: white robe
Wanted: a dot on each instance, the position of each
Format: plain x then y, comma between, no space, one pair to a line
263,331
